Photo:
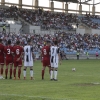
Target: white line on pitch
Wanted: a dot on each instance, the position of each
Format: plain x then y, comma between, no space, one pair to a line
34,96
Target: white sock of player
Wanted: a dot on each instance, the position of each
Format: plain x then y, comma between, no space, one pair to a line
55,74
24,73
31,73
51,74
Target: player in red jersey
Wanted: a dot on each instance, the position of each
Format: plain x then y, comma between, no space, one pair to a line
45,54
1,59
17,52
9,59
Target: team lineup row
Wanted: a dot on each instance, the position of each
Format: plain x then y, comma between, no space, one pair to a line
13,56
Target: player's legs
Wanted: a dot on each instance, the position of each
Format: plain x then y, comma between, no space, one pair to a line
31,72
25,68
28,64
9,62
55,70
43,68
49,66
15,67
31,69
19,71
55,73
51,73
2,66
52,68
43,71
14,72
11,65
0,72
6,71
24,72
19,68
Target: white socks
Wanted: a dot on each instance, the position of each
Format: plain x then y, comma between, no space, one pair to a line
24,73
53,73
31,73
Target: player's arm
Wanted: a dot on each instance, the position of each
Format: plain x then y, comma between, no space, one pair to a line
41,55
59,56
21,55
33,55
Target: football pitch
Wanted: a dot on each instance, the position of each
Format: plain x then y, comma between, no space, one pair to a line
83,84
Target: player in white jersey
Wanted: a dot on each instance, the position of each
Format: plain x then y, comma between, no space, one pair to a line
28,59
54,60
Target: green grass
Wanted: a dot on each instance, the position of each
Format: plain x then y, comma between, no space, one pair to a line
84,84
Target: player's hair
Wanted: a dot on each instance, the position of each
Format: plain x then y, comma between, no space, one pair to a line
0,40
18,42
55,42
48,41
9,41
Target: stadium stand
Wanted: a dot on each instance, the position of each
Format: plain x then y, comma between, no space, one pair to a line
69,43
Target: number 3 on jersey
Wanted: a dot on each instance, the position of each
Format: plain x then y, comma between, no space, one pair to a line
8,51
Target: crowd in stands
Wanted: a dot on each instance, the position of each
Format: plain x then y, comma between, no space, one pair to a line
50,20
46,19
8,13
91,21
68,42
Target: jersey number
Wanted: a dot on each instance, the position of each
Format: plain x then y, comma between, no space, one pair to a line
53,50
44,51
27,50
17,51
8,51
27,57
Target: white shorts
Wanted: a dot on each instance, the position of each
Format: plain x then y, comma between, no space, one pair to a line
54,62
55,65
28,64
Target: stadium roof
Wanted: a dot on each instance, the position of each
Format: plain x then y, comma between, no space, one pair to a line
75,1
88,2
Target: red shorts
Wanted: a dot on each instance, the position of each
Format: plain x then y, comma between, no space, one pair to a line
9,61
2,60
46,62
17,63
